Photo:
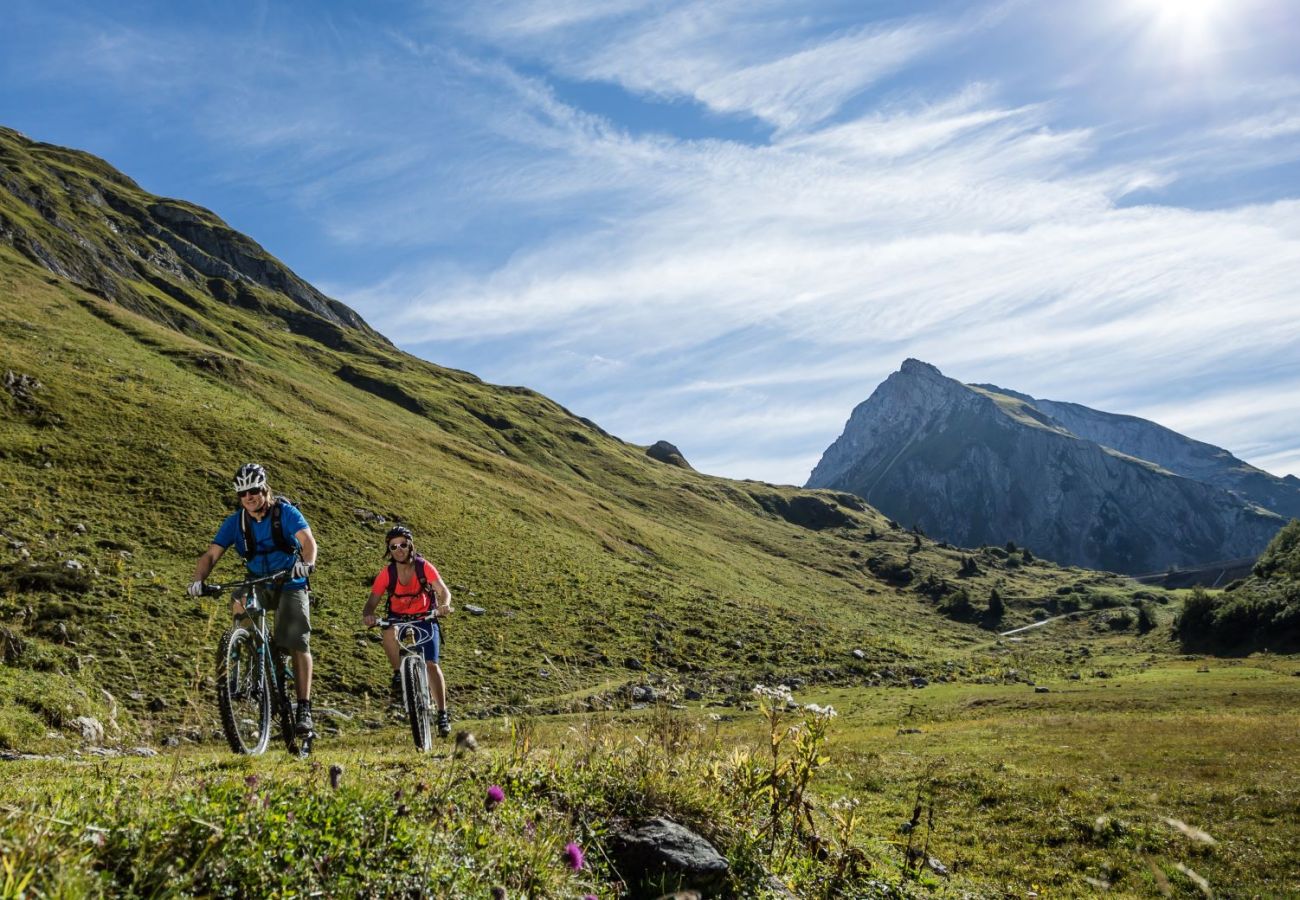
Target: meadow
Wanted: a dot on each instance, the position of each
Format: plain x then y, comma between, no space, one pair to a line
1168,777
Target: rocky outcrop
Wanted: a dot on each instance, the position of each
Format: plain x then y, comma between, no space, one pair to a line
979,465
77,217
665,452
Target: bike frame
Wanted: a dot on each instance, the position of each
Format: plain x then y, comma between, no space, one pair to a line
414,674
268,674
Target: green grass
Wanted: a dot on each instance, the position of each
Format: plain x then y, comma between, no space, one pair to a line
1056,793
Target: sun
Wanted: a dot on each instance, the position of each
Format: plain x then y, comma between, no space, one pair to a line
1191,25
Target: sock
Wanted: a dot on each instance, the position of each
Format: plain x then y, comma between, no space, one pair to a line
304,705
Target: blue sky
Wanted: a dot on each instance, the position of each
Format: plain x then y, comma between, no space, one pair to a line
723,223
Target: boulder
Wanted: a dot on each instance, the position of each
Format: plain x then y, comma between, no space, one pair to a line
92,732
659,856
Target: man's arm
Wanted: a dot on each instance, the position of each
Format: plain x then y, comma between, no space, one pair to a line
307,542
207,562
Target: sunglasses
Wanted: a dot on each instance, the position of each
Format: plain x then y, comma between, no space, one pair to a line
400,545
250,492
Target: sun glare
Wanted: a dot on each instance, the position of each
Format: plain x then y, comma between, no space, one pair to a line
1190,25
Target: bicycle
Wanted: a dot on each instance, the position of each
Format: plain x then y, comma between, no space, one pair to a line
254,677
414,675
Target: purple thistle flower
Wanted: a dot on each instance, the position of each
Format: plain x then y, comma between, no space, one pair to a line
573,857
250,781
495,797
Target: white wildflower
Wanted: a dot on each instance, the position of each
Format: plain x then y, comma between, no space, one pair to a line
780,693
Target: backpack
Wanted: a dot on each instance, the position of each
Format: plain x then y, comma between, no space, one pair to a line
282,542
419,572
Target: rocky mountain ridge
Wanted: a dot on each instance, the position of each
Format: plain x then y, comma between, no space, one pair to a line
978,464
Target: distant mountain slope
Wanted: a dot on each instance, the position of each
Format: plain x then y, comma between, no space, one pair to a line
147,350
982,465
1170,450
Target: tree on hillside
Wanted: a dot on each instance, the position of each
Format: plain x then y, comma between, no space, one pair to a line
1146,620
997,609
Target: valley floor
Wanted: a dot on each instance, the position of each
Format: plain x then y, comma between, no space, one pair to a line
1170,777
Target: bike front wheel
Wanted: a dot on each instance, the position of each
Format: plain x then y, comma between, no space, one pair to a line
415,680
284,694
243,694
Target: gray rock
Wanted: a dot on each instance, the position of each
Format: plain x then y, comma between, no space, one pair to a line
643,693
858,654
474,610
75,565
919,682
692,694
660,855
634,664
1039,689
92,732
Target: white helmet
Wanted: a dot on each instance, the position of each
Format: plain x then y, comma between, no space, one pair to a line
250,477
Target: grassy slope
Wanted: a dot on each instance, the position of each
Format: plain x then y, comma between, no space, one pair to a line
577,573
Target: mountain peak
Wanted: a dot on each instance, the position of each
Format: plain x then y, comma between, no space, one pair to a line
978,464
918,368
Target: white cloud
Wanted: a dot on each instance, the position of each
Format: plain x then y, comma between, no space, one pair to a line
740,297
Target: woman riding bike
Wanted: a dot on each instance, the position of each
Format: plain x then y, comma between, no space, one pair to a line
413,589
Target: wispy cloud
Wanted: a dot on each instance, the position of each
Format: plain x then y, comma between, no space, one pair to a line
961,187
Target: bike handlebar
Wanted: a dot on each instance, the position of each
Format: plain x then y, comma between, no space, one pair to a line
213,590
430,616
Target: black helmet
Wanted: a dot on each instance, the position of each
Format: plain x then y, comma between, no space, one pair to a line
399,531
250,477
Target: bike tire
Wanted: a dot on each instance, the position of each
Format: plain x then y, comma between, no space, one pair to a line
415,680
284,697
242,693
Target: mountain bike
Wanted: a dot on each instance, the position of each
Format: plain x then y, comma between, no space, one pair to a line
254,677
414,675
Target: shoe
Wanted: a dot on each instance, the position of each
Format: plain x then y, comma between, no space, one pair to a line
444,723
303,724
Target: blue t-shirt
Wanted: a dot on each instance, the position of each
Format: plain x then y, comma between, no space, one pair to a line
267,558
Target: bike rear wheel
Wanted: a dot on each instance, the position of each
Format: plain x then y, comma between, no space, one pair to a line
242,693
415,681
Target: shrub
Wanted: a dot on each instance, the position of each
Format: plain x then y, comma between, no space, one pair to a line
1281,558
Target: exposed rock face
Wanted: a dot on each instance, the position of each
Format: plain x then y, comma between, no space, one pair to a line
979,465
1170,450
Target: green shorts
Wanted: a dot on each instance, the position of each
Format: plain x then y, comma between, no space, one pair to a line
292,618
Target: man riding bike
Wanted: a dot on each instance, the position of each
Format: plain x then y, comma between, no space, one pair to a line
272,536
414,589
